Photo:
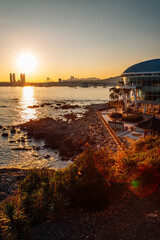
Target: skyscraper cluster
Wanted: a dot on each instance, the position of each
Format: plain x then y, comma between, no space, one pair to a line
20,82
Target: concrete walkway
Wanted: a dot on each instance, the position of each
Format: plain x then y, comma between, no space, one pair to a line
133,135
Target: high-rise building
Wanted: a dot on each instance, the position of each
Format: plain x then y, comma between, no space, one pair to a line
10,78
22,78
14,78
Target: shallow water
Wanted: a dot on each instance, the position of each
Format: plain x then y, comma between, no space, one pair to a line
14,103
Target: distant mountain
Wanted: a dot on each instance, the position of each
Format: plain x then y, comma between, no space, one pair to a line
92,79
112,79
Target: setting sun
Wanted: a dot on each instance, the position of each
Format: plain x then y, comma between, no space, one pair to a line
27,63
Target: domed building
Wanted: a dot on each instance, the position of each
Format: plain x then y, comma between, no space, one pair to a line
141,82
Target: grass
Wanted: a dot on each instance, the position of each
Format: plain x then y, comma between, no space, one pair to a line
91,183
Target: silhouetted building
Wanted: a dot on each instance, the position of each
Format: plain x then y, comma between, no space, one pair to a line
22,79
11,78
20,82
14,78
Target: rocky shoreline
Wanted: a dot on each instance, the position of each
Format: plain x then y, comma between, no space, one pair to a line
67,137
9,178
70,137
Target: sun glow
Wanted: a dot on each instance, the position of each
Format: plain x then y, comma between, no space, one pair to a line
26,101
27,63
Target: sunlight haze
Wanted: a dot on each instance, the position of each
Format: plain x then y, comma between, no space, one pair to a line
79,38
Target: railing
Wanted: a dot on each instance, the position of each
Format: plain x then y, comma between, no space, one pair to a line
112,133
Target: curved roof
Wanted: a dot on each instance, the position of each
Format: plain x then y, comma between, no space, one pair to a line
151,66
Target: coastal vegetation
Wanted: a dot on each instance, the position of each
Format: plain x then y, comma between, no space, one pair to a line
92,182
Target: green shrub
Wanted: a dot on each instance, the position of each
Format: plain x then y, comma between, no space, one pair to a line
132,118
116,115
149,142
35,193
82,183
34,180
58,206
13,222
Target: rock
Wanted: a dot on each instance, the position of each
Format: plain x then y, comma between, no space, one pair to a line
68,106
64,159
36,148
22,148
4,128
46,104
63,150
70,116
5,134
12,141
13,130
22,139
34,106
47,156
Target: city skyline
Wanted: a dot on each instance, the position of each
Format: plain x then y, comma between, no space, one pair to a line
80,38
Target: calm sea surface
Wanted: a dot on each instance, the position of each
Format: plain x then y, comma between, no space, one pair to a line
14,103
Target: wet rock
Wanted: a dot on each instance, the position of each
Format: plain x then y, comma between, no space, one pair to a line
68,139
34,106
22,148
64,150
5,134
70,116
64,159
13,130
37,148
68,106
22,139
29,134
4,128
12,141
45,104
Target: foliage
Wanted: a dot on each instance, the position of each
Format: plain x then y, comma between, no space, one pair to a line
116,115
132,118
14,223
149,142
34,180
82,183
58,206
94,179
35,192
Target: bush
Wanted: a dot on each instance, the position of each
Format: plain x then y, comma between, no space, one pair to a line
36,191
34,181
116,115
132,118
82,183
14,223
149,142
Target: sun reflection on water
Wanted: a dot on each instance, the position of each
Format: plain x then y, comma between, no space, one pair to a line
26,101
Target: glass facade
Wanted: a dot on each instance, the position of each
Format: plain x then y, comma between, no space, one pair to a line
147,87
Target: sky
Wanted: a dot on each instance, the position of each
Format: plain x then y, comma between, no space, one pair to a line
82,38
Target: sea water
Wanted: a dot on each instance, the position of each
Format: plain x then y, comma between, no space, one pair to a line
16,106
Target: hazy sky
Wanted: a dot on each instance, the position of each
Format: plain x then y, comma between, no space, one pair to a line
84,38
